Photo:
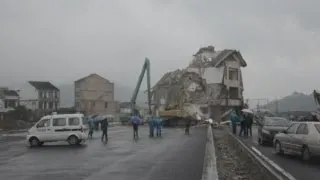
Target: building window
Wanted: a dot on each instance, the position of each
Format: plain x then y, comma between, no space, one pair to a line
233,74
45,105
234,93
77,105
93,104
40,105
50,105
56,105
106,105
40,94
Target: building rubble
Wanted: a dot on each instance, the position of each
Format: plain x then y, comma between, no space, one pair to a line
208,86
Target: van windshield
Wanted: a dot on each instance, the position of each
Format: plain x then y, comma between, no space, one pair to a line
84,121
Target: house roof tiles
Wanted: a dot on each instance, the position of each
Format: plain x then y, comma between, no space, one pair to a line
43,85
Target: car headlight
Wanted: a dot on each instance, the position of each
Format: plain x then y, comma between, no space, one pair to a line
265,131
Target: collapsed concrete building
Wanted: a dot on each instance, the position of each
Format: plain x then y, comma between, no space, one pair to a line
210,85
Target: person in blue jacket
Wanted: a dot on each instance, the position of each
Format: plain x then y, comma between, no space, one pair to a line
91,126
158,126
233,119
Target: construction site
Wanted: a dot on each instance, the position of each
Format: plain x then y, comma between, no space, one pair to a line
208,86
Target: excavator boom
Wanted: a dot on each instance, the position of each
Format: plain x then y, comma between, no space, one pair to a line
145,69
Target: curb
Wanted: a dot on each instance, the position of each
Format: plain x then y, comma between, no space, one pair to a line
210,171
266,163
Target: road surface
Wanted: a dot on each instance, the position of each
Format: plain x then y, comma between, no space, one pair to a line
292,164
175,156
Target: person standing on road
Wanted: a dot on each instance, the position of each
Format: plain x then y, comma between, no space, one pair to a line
243,125
135,124
159,126
233,120
151,126
249,119
188,124
104,128
91,127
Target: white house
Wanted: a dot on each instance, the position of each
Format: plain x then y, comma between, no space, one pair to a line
9,99
39,95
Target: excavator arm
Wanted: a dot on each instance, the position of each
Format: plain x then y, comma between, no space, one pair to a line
145,70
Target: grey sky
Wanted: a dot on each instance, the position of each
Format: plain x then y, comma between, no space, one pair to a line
62,40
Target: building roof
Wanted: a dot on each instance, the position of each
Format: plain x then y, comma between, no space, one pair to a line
217,57
7,92
43,85
92,75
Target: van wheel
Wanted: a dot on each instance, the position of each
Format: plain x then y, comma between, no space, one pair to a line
73,140
34,142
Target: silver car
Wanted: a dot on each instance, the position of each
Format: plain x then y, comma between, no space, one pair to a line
301,138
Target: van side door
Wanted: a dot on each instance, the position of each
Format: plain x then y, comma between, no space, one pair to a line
60,129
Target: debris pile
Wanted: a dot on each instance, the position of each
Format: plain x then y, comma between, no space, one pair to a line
232,163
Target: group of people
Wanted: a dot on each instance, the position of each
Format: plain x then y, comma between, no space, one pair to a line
155,123
104,128
245,120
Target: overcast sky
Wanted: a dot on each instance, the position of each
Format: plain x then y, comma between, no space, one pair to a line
61,40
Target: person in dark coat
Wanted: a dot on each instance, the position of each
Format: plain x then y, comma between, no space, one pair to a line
188,124
249,120
243,125
104,128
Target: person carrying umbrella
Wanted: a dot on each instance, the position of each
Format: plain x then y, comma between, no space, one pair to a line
104,128
135,120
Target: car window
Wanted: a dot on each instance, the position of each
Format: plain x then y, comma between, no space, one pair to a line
276,122
59,122
74,121
292,129
44,123
302,129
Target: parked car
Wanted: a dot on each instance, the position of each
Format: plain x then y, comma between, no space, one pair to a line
58,127
269,127
301,138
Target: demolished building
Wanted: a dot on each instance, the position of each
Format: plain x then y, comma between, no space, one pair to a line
210,85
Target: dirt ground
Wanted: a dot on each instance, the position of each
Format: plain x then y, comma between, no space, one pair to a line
232,163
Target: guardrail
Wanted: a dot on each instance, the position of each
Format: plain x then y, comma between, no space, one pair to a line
271,167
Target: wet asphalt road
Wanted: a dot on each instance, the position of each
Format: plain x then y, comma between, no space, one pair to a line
175,156
292,164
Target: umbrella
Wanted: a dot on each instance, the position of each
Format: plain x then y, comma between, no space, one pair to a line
135,120
247,111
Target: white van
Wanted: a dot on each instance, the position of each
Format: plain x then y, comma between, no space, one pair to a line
58,127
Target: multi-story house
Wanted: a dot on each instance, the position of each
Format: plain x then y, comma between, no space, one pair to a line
9,99
95,95
221,71
40,95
